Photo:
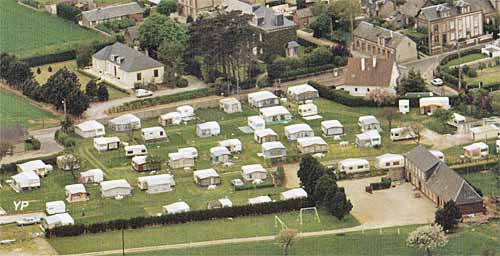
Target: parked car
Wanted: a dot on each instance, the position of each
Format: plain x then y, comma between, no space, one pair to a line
140,93
28,221
437,82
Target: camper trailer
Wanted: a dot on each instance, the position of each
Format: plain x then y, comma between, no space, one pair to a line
332,128
91,176
273,149
177,207
57,220
156,183
485,132
189,150
253,172
402,133
296,131
179,160
76,193
220,155
265,135
308,109
115,188
367,123
220,203
208,129
312,145
302,92
428,105
106,143
230,105
26,180
404,106
369,138
295,193
206,177
233,145
354,165
458,119
259,200
125,123
55,207
478,150
153,134
90,129
263,99
171,118
256,122
389,161
142,164
135,150
187,113
276,114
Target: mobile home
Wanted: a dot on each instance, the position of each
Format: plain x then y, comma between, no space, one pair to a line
114,188
189,150
478,150
485,132
230,105
308,109
91,176
208,129
36,166
256,122
220,155
187,112
296,131
369,138
265,135
106,143
367,123
179,160
402,133
458,119
206,177
428,105
156,183
55,207
90,129
354,165
253,171
389,161
404,106
125,123
153,134
302,92
259,200
57,220
274,149
25,181
263,99
332,128
234,145
136,150
295,193
141,164
177,207
171,118
76,193
276,114
312,145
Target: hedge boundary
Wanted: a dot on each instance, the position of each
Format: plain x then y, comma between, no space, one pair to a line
344,98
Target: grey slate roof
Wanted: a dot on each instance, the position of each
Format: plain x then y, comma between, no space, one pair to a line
113,11
422,158
432,12
411,8
371,33
134,60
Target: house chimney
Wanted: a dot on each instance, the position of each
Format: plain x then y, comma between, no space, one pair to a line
362,64
374,60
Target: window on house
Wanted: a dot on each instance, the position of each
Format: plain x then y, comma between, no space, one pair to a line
139,76
155,73
367,89
355,89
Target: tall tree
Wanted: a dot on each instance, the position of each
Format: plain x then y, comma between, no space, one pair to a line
309,172
286,238
413,82
427,238
91,90
84,56
14,71
337,204
171,53
157,29
166,7
448,216
5,148
325,188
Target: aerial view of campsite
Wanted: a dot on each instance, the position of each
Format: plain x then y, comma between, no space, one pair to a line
250,127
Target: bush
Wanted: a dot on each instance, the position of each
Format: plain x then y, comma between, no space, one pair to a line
68,12
384,184
64,139
35,143
182,83
115,26
471,73
32,3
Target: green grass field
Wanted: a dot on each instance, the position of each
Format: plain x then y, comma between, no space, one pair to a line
487,76
485,180
26,32
390,241
465,59
71,66
18,110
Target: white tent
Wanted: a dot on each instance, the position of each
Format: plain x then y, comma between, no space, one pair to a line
259,200
55,207
177,207
263,99
156,183
25,180
253,171
485,132
189,150
106,143
208,129
234,145
153,133
256,122
114,188
389,161
92,176
125,123
275,114
296,131
180,160
367,123
220,154
225,202
370,138
187,112
458,119
309,109
302,92
90,129
230,105
274,149
171,118
136,150
295,193
354,165
61,219
265,135
332,128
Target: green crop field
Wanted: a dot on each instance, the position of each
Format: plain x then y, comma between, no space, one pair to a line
26,32
18,110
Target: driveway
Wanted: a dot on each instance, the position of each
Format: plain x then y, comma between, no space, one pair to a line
390,207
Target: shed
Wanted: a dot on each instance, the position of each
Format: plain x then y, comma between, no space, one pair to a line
308,109
367,123
312,145
114,188
220,203
296,131
295,193
438,154
220,155
332,128
263,99
233,145
171,118
253,171
206,177
153,134
428,105
179,160
404,106
26,180
136,150
354,165
275,114
208,129
57,220
156,183
37,166
125,123
256,122
187,112
274,149
177,207
67,162
106,143
90,129
370,138
76,193
55,207
478,150
189,150
402,133
91,176
389,161
259,200
265,135
485,132
302,92
230,105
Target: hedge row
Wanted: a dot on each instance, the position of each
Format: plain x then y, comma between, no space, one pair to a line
254,186
179,218
385,183
32,3
453,56
11,168
307,71
343,97
144,103
64,139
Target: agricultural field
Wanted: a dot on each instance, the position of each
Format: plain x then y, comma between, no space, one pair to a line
26,32
71,66
16,109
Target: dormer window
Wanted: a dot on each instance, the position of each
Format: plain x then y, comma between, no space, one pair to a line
260,21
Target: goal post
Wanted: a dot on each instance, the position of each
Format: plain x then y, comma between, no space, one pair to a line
308,210
278,221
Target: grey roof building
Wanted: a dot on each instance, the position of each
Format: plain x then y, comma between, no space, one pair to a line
128,59
130,10
264,17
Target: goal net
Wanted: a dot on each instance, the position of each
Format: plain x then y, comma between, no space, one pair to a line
308,214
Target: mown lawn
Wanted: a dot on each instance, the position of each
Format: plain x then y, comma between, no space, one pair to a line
18,110
26,32
197,231
487,76
71,66
389,241
453,154
465,59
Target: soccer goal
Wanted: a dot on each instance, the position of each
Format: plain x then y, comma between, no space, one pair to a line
279,223
309,211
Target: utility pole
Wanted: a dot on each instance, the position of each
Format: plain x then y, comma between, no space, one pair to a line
352,21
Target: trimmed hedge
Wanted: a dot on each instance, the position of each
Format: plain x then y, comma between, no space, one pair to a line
12,167
252,186
343,97
64,139
453,56
179,218
385,183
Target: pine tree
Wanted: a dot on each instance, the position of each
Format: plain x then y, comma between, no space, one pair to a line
309,172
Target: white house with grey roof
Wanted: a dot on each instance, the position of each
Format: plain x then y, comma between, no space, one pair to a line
127,66
96,16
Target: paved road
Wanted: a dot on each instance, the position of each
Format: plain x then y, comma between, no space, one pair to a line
6,219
